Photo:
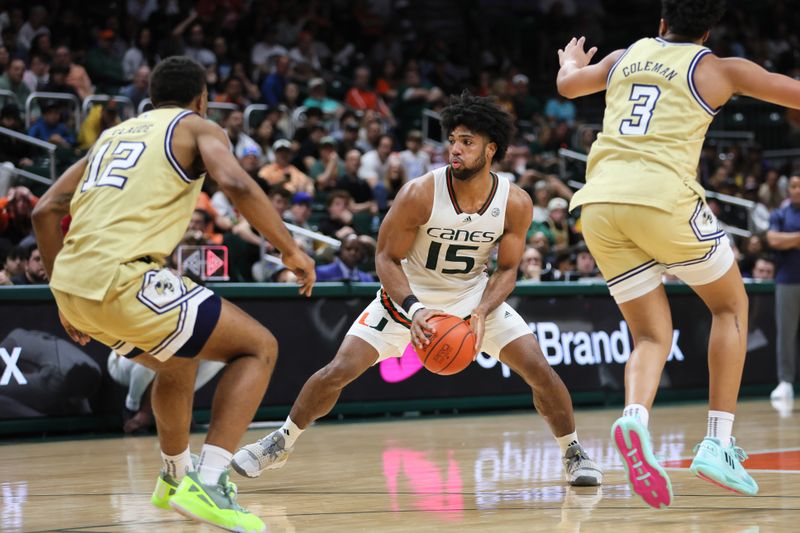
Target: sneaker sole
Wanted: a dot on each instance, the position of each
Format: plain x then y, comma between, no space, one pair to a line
585,481
188,514
241,471
698,471
645,475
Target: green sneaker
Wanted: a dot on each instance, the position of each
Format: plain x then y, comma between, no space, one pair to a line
722,466
214,504
166,486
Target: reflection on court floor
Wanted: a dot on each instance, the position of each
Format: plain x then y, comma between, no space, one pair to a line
465,473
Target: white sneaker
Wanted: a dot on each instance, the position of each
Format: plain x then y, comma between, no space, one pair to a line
784,391
579,469
268,453
784,406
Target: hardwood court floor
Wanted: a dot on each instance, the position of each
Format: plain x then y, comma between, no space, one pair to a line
465,473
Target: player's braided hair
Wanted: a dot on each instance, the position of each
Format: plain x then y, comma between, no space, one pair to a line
177,80
480,115
691,18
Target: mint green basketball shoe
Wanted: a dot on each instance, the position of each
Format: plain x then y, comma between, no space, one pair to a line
722,466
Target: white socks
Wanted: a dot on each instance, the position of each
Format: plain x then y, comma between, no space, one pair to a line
213,462
176,466
290,432
637,410
720,426
140,378
566,441
720,423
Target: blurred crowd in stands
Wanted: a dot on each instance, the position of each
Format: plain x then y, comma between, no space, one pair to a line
331,106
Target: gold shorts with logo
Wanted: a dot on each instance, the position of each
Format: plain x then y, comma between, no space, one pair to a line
147,309
634,245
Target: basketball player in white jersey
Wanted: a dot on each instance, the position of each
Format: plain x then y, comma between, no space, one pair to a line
432,250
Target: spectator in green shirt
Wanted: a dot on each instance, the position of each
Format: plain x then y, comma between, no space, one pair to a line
318,98
12,81
104,67
525,105
413,97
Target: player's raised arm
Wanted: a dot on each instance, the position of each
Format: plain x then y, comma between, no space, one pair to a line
577,77
749,79
50,209
249,199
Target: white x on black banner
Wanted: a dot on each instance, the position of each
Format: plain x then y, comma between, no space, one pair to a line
11,367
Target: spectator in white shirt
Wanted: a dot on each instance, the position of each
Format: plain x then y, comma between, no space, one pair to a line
195,49
415,161
33,27
234,127
38,75
141,53
306,51
141,9
265,52
375,163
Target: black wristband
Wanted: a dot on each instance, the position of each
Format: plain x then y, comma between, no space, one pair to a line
408,302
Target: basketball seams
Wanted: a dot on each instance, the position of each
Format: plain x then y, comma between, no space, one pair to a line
456,352
463,339
441,336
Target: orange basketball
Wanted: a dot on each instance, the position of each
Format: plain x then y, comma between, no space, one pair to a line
451,349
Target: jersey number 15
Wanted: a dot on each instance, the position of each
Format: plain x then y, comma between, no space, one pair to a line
451,256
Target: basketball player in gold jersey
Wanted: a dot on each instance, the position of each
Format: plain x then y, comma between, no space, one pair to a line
643,213
131,199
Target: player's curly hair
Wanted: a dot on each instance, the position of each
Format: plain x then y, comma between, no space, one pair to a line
692,18
480,115
177,80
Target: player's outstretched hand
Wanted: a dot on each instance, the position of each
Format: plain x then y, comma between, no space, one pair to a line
421,331
78,336
477,323
303,267
574,53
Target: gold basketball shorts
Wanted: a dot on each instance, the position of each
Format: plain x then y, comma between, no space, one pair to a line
147,309
634,245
